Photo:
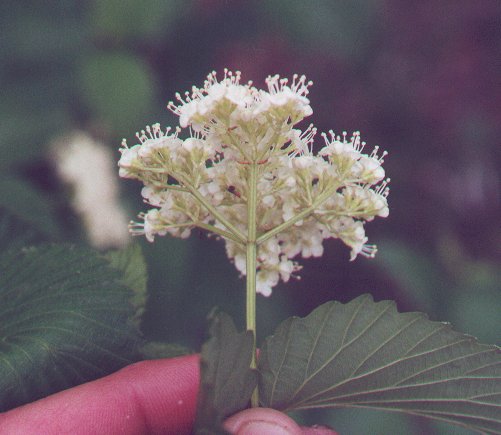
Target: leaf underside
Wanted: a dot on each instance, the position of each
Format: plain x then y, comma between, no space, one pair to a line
227,382
367,354
64,320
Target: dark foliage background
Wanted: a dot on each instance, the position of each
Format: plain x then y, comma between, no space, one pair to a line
421,79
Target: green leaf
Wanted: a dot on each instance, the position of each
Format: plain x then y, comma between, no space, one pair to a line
227,382
130,262
367,354
64,320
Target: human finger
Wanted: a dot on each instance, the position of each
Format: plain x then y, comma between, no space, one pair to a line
156,396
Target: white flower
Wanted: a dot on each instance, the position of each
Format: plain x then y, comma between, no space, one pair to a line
311,245
153,140
129,158
291,99
152,225
154,196
266,280
369,170
227,96
286,268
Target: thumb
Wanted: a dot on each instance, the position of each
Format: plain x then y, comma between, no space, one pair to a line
267,421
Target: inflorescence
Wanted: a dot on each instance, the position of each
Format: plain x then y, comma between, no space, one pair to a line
302,197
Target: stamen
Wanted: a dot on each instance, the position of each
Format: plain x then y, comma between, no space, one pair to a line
383,188
305,138
369,251
137,228
298,86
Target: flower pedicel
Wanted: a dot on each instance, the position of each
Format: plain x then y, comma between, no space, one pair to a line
248,176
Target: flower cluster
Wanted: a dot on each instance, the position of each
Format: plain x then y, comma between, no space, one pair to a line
245,164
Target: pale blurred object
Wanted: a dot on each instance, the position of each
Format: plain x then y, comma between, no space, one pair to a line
88,167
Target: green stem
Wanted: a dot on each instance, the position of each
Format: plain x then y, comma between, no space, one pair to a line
250,270
229,226
218,231
306,212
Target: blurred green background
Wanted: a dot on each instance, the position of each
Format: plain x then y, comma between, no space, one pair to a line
420,79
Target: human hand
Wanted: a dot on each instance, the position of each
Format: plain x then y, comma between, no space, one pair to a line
149,397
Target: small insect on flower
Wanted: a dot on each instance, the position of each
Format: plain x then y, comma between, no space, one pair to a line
233,190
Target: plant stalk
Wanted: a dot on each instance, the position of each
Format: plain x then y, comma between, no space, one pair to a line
250,271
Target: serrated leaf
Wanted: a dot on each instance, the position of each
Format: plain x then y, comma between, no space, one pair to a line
367,354
130,262
63,321
227,382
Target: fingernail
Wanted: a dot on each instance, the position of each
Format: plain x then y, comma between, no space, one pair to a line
318,430
262,421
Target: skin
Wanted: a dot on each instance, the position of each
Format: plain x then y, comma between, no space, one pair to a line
149,397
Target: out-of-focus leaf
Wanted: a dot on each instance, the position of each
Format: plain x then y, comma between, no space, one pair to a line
118,88
367,354
39,44
477,301
170,263
130,19
344,29
227,382
22,140
41,31
64,320
417,275
132,265
23,201
130,262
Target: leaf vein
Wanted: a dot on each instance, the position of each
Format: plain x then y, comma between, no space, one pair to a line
333,357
